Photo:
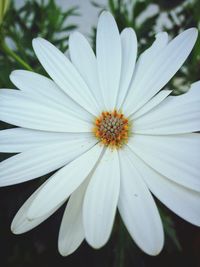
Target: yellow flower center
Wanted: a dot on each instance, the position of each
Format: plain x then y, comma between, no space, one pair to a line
112,129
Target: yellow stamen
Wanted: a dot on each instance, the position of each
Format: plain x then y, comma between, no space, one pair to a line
112,129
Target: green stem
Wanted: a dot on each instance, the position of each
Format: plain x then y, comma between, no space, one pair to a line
13,55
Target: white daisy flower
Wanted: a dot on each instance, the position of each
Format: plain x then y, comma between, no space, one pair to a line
114,136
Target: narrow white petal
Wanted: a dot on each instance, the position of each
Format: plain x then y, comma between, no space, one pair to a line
64,74
175,115
71,232
21,224
183,201
34,83
162,68
20,139
153,102
100,200
137,208
84,59
143,63
175,156
129,53
108,58
63,183
41,160
31,111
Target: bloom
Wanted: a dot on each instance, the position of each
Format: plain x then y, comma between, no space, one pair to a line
114,136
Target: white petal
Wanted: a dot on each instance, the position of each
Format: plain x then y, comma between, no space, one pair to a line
71,232
143,63
21,224
162,68
64,74
153,102
20,139
100,200
41,160
129,53
63,183
31,111
34,83
137,208
108,58
83,58
175,115
183,201
175,156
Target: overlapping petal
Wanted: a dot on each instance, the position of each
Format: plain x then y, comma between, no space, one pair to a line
175,115
43,87
183,201
41,160
84,59
109,56
129,54
137,207
20,139
153,102
64,74
61,185
30,111
154,74
175,156
71,232
100,200
21,223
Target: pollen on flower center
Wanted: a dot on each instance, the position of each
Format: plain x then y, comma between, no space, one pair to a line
112,129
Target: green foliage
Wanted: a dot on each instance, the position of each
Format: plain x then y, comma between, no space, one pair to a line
21,25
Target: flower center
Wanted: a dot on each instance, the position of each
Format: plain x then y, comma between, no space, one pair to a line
112,129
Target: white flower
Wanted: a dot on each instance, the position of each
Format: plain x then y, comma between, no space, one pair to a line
141,143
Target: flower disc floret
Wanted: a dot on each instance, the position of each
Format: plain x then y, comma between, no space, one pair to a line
112,129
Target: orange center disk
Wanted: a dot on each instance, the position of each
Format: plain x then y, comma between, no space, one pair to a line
112,129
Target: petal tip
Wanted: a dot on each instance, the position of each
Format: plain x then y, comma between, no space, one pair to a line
191,33
63,250
14,228
37,40
106,16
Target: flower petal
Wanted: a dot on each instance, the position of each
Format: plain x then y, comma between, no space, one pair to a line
41,160
43,87
100,200
175,156
71,233
162,68
153,102
64,74
21,224
34,112
63,183
183,201
145,60
108,58
83,58
137,208
175,115
20,139
129,53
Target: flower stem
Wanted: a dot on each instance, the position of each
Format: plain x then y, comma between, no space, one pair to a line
13,55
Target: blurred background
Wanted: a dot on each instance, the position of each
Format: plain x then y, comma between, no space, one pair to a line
20,22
